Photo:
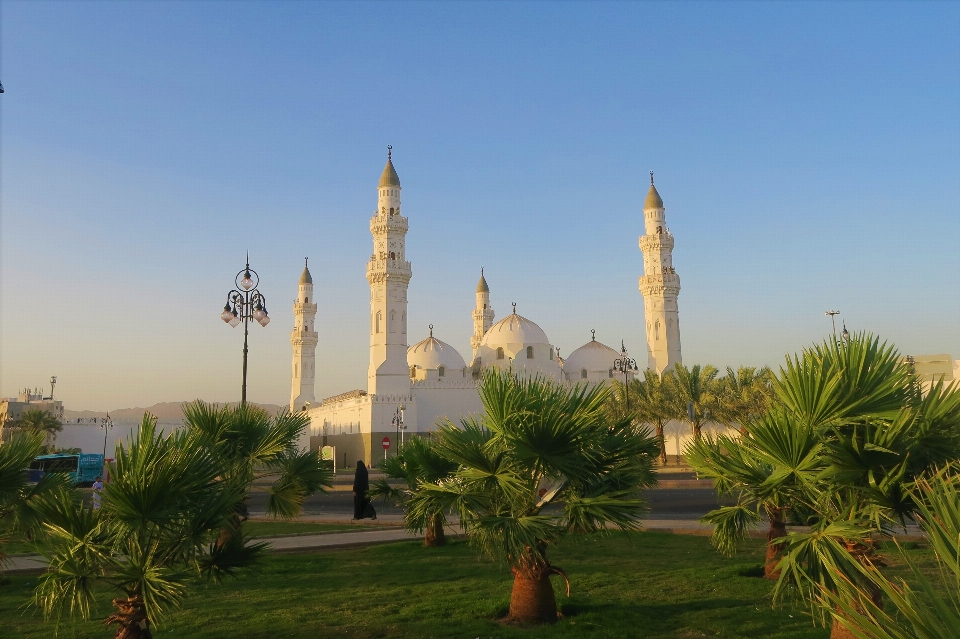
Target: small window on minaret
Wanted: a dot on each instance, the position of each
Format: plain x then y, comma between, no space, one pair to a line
391,210
393,255
306,300
660,230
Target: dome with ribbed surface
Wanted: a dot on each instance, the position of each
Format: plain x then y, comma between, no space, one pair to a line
653,200
389,176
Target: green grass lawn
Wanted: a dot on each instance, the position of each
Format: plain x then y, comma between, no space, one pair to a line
648,585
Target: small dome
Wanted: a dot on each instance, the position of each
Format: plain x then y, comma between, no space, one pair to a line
305,277
514,329
482,284
653,200
431,354
593,357
389,176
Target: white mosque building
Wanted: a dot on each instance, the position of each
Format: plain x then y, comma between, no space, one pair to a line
422,384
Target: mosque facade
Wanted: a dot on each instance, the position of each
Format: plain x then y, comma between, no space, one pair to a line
410,389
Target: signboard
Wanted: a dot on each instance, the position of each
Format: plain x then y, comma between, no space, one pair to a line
329,453
386,443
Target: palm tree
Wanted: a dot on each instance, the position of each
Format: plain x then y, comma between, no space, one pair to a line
416,463
847,437
40,421
539,444
161,514
743,395
655,405
925,608
694,389
18,497
249,445
767,470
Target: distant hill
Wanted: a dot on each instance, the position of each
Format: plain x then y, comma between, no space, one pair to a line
166,412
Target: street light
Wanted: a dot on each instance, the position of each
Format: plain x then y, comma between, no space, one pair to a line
626,365
401,427
243,304
104,424
833,322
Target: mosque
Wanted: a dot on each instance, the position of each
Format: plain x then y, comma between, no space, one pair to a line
411,388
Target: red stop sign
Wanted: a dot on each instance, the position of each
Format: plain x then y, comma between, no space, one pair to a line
386,443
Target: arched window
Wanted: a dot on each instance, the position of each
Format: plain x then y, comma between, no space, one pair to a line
393,322
393,255
378,323
551,353
583,373
403,323
391,210
656,331
499,352
413,372
442,371
660,230
529,352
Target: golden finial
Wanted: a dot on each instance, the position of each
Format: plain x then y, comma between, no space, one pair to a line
651,178
390,153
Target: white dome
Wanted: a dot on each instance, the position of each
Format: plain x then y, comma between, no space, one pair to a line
431,354
514,329
593,357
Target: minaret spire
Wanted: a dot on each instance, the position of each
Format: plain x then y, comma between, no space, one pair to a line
660,286
303,340
388,273
482,314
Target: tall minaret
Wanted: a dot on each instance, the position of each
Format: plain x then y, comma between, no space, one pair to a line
660,286
482,314
389,275
303,338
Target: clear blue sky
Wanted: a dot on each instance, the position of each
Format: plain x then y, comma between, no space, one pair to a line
808,155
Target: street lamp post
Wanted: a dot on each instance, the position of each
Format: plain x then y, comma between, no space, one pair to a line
626,365
243,304
833,322
108,423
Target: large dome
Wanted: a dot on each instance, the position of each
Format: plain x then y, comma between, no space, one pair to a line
592,357
431,354
514,329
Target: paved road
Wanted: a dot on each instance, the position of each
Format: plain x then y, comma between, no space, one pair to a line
665,503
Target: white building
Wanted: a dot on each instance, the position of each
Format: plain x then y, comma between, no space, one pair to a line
428,382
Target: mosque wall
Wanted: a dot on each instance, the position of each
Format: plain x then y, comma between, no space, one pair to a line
439,400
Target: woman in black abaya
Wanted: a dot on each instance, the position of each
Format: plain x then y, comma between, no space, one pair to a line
361,484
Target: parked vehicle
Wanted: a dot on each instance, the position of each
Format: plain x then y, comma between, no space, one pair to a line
83,468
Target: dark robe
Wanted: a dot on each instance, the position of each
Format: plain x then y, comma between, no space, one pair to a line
361,484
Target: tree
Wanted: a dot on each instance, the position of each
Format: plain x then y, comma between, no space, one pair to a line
249,445
655,405
160,518
694,388
543,461
417,463
924,607
18,497
38,420
846,438
742,396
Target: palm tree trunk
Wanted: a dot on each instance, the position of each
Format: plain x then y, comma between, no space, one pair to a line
661,442
532,600
131,619
862,552
778,530
434,536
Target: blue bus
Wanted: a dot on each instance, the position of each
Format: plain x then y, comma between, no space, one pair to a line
83,468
